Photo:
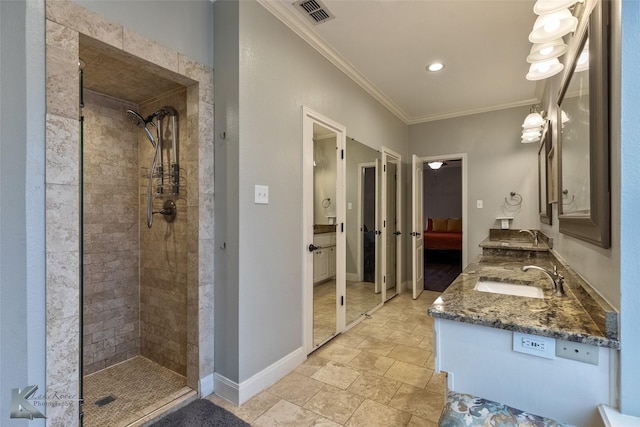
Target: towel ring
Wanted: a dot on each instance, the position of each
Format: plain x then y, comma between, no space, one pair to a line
565,194
326,203
515,197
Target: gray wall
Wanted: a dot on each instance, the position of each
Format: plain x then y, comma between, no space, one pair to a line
278,73
497,164
184,26
226,288
442,193
22,163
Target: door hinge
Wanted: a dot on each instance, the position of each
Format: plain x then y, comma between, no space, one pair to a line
384,169
342,227
384,279
342,154
342,300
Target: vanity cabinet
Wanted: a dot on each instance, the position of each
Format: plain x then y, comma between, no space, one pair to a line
481,361
324,258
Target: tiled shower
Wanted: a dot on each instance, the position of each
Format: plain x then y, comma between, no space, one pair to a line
134,277
148,294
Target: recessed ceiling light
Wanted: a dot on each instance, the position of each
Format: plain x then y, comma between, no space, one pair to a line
436,66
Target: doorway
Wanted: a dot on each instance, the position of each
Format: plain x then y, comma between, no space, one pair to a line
323,218
391,224
444,207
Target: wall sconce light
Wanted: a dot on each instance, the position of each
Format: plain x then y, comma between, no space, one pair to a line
544,69
549,6
552,26
532,126
545,51
436,165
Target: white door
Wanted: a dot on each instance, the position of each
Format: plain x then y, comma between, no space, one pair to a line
323,218
417,237
391,224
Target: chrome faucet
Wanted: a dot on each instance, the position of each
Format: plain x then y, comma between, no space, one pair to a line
533,234
557,279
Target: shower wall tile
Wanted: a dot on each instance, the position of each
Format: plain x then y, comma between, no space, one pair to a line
62,222
62,369
111,233
60,134
62,285
154,52
206,344
76,17
62,96
206,166
61,37
163,257
199,73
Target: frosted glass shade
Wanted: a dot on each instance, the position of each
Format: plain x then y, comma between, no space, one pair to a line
552,26
544,51
549,6
544,70
533,121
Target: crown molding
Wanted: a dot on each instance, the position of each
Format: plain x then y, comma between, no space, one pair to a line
291,20
433,118
288,17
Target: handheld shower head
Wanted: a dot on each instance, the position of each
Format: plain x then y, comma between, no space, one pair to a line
136,118
139,121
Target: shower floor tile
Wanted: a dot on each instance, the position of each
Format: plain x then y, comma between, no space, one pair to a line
138,387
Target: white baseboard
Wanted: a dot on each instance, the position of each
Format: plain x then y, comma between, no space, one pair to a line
240,393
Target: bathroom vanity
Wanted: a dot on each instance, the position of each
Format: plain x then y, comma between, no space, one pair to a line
553,356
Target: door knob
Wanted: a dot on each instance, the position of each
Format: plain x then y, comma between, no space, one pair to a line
313,247
397,233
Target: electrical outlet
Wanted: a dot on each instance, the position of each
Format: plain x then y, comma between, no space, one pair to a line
534,345
577,351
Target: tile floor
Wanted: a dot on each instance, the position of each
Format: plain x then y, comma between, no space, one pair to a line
361,298
139,387
379,373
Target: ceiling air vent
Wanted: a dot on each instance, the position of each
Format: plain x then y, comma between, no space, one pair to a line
314,10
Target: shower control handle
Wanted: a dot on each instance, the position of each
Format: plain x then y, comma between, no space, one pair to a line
169,211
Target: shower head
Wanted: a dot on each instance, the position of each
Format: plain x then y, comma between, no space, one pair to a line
136,118
139,121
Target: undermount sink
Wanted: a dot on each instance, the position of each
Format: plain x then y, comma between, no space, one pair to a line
497,287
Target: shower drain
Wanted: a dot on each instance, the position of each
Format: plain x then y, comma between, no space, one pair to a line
105,400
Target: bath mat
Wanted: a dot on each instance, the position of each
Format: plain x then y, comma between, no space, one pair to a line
200,413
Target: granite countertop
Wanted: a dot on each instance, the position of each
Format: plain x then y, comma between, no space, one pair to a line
580,316
324,228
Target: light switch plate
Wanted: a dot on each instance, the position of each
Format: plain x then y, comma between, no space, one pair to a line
262,195
479,204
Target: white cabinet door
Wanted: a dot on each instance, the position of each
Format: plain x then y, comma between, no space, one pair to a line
332,261
320,265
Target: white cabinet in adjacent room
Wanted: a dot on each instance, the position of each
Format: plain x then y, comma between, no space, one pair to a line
324,258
